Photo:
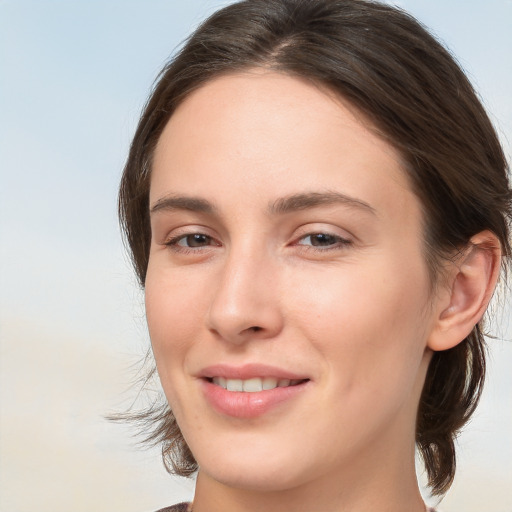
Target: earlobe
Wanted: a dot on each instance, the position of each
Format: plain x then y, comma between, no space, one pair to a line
470,288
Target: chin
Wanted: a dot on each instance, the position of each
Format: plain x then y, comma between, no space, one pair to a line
253,470
247,478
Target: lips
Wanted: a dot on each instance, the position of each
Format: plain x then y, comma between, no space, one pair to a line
249,371
250,391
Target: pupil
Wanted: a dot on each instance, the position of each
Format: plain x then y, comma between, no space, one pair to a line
322,239
197,240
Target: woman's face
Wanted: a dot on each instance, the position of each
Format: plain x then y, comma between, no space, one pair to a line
286,251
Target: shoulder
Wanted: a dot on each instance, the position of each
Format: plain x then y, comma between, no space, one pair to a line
179,507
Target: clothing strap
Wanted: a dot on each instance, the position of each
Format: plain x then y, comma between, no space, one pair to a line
179,507
187,507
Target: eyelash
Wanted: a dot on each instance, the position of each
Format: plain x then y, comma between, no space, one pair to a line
339,242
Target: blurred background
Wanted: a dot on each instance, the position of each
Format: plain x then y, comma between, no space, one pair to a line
74,76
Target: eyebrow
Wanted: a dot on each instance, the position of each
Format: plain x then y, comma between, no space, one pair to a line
281,206
170,203
308,200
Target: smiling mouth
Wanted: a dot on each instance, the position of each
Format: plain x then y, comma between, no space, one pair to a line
254,385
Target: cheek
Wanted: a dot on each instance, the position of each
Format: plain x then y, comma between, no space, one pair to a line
367,322
172,328
171,313
372,345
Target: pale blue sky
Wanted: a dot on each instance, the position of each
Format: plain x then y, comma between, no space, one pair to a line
74,75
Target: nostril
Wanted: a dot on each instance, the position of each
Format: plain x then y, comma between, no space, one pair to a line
255,328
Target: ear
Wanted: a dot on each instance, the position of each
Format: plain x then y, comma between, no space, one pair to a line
469,289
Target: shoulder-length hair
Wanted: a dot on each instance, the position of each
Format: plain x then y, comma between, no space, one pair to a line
386,64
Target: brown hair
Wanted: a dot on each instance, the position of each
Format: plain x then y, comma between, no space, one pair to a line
391,69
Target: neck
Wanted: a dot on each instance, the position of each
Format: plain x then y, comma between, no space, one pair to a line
365,486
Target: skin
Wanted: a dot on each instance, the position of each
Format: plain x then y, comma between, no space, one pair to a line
356,314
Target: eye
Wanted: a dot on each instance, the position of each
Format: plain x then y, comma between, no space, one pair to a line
323,240
191,241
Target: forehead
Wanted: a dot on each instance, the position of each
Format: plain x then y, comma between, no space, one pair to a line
260,133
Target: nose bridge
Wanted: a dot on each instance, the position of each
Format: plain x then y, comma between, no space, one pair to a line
246,302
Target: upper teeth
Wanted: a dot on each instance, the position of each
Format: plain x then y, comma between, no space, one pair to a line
253,385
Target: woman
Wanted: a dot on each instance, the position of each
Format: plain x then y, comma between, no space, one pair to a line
318,209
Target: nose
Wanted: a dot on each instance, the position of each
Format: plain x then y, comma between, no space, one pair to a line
246,303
